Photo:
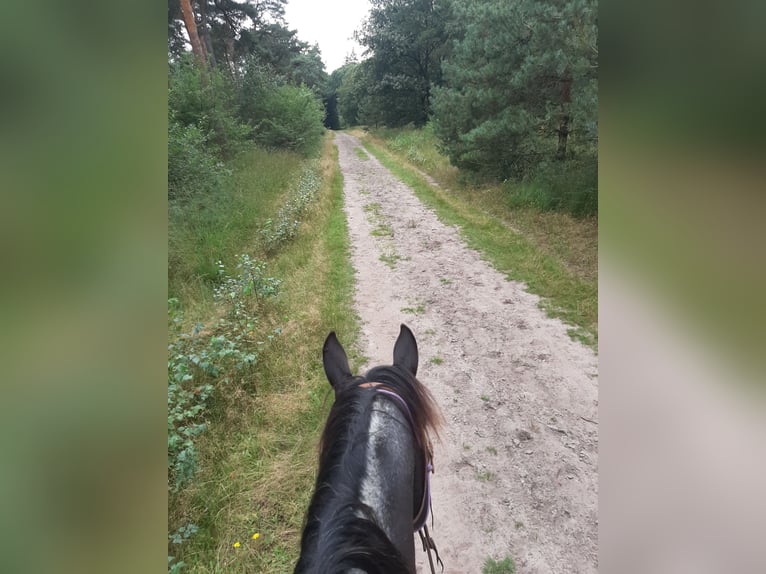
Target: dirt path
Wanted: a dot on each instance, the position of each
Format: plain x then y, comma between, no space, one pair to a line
517,471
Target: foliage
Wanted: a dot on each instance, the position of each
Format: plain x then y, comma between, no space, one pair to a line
284,226
198,364
205,99
352,93
570,186
192,169
291,118
405,40
259,450
228,28
520,85
505,566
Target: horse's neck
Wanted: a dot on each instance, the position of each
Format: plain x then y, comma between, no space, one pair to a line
387,484
383,475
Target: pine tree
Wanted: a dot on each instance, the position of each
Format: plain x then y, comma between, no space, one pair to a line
520,84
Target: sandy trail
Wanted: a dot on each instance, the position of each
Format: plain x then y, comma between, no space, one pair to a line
517,470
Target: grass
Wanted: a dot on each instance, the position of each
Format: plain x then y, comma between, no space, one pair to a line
417,310
361,154
486,476
258,457
375,217
555,254
390,258
505,566
223,225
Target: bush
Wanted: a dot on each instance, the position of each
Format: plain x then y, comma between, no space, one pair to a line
192,169
196,363
292,118
207,100
570,186
284,227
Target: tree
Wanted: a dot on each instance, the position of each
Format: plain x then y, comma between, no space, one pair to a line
191,29
520,84
405,40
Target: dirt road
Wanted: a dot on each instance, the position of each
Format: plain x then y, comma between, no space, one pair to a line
517,470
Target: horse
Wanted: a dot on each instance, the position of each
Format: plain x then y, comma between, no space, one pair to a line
372,488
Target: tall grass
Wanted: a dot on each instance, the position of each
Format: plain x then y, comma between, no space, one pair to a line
257,458
224,222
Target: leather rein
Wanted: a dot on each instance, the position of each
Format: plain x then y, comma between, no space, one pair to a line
420,520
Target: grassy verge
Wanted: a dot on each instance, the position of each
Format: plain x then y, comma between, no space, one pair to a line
224,224
553,253
257,459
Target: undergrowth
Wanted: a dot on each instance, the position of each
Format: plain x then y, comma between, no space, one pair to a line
242,509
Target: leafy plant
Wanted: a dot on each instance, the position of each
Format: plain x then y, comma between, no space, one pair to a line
285,225
192,169
195,362
505,566
290,117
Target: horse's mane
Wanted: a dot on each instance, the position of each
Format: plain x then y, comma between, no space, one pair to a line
351,538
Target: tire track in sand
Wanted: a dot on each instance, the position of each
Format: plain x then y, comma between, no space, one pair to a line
517,468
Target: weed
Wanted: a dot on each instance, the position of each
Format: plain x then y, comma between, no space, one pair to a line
491,450
484,398
444,281
436,360
382,230
390,259
518,525
361,154
284,227
486,476
418,310
505,566
375,217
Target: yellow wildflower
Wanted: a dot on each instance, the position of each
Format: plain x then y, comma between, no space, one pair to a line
236,545
256,535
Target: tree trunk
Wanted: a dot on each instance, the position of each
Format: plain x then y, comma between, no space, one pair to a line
564,118
207,43
191,29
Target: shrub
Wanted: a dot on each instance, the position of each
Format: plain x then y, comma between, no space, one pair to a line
285,225
570,186
291,118
195,362
192,169
207,100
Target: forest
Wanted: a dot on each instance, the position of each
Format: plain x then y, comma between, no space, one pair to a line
508,88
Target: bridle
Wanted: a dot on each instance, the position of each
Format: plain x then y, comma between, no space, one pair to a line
420,520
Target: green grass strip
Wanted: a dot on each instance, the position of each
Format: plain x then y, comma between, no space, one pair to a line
563,295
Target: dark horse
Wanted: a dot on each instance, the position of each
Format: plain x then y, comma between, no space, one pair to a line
372,486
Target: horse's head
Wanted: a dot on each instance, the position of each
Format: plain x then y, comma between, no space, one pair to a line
336,363
374,460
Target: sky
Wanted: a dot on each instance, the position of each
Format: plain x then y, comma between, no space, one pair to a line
330,23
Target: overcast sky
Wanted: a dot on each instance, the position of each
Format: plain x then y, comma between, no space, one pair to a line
330,23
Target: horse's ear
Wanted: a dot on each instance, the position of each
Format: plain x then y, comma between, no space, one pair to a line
406,351
335,362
